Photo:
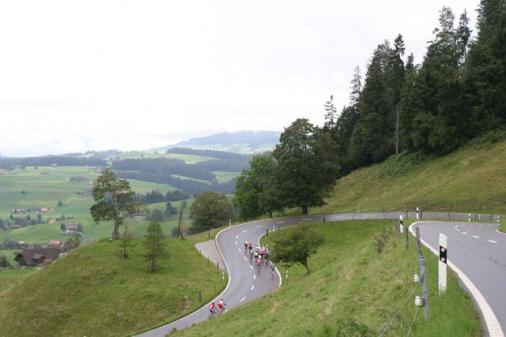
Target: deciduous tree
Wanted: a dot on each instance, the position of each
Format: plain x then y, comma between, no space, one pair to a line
210,210
297,246
113,199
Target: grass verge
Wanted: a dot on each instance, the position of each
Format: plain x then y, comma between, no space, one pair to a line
362,273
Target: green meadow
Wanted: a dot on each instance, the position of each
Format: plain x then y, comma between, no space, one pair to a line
45,186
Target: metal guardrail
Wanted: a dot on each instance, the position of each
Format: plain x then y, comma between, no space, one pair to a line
443,216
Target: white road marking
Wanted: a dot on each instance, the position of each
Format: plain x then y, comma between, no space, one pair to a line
476,236
252,287
251,267
491,322
243,231
465,233
237,236
242,299
492,241
236,243
239,250
245,259
254,277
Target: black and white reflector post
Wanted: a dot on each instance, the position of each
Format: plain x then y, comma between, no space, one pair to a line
443,258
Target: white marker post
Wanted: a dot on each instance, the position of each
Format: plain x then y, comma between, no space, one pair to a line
401,223
417,213
443,257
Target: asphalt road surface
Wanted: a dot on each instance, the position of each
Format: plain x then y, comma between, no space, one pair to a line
481,253
478,250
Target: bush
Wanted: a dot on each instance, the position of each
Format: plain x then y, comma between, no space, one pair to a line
4,263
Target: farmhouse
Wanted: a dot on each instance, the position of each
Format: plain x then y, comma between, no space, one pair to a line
139,216
69,228
37,255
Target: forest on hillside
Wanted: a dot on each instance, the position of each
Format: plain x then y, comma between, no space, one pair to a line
421,110
432,108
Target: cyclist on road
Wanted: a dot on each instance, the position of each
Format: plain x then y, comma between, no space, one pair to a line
212,308
221,306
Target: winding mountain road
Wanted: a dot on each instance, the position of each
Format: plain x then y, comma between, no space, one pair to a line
483,259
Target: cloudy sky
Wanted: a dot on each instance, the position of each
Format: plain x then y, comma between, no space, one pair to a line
83,75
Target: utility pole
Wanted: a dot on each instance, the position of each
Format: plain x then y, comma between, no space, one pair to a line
180,228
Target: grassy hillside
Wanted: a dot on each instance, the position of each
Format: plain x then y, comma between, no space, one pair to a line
8,277
471,179
93,292
350,280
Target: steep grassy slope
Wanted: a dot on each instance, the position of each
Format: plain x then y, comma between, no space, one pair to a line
351,280
471,179
93,292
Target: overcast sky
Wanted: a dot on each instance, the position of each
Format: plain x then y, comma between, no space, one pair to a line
88,75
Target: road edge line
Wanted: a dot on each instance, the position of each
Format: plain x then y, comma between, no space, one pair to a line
491,322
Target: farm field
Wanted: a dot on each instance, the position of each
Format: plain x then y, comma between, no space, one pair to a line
224,176
45,186
187,158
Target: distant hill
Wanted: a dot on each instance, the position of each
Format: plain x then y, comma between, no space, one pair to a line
239,142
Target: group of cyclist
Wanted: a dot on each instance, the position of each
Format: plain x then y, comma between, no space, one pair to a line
260,255
216,309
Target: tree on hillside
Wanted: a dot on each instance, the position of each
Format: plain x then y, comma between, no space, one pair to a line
155,247
113,198
156,215
443,120
330,112
169,209
486,66
210,210
256,192
307,165
297,246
